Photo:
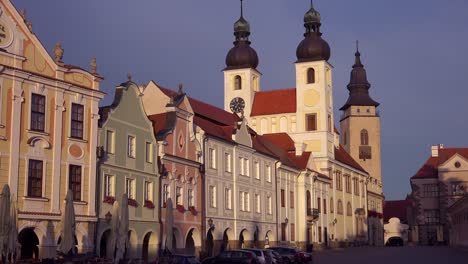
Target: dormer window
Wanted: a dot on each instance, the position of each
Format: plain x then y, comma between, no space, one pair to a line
310,76
237,83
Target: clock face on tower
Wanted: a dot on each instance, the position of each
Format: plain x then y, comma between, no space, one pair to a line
237,105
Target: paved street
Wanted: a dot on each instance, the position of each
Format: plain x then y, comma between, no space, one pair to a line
403,255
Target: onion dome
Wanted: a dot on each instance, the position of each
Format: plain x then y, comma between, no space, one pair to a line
313,47
359,86
242,55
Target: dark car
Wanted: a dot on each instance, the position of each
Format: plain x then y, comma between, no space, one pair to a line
272,257
235,256
179,259
292,255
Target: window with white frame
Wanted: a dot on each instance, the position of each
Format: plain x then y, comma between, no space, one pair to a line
228,198
130,188
247,167
244,166
109,186
247,202
227,162
148,191
270,205
110,142
35,177
190,200
268,173
179,198
74,181
166,193
131,148
241,166
149,152
212,196
212,158
244,201
38,103
257,170
257,203
77,121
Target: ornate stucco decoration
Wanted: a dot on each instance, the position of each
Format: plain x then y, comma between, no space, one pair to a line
58,53
93,65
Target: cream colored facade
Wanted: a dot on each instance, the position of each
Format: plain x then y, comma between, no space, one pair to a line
27,69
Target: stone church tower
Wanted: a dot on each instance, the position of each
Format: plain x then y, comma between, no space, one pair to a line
360,136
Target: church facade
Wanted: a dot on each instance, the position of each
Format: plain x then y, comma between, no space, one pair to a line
305,114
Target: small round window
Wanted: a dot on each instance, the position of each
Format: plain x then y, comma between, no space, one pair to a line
457,164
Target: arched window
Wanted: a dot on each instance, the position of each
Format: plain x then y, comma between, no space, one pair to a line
332,206
364,137
283,125
349,209
340,207
311,75
237,83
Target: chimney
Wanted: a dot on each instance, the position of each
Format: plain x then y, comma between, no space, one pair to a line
300,148
435,150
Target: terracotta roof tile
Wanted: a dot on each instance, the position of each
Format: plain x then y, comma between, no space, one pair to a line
300,161
429,169
396,209
342,156
274,102
159,122
283,141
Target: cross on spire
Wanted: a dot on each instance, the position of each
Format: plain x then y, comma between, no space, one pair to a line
357,45
242,8
312,3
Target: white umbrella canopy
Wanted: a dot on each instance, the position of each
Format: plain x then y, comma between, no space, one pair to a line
115,221
13,244
4,219
67,231
169,224
122,241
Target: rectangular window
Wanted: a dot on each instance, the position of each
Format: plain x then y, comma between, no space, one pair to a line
257,170
191,202
130,188
247,167
432,216
431,190
228,198
283,202
311,122
319,207
131,147
268,173
212,196
291,199
283,231
108,186
270,205
458,188
320,234
227,162
75,182
35,178
293,232
257,203
212,158
148,191
329,123
242,201
149,152
339,179
356,186
348,184
324,206
247,202
38,112
179,198
77,121
110,142
166,194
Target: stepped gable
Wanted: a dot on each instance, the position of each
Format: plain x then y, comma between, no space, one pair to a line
274,102
430,167
342,156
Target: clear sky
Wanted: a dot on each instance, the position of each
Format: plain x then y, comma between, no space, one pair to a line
415,53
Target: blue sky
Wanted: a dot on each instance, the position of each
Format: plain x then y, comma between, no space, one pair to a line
415,53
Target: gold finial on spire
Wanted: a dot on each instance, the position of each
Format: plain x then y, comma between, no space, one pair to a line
129,77
181,88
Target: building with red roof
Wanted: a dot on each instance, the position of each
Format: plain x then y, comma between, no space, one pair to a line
440,183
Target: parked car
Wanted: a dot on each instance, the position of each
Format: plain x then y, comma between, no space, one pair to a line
292,255
235,256
259,254
178,259
272,257
211,260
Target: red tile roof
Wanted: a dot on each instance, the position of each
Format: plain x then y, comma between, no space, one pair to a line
342,156
159,121
430,167
283,141
274,102
300,161
396,209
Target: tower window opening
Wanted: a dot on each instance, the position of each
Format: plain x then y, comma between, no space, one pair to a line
237,83
364,137
311,122
310,75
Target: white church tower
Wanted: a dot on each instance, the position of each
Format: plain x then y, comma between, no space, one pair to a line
241,78
314,92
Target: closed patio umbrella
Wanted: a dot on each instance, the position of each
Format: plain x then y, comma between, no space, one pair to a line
169,224
4,219
67,231
13,245
115,221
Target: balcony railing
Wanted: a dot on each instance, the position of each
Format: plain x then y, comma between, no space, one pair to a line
313,213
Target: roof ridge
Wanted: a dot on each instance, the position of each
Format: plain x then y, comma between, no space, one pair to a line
277,90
